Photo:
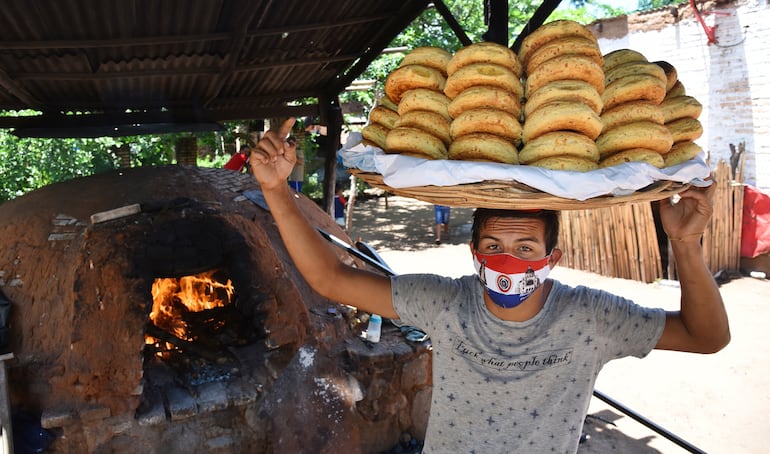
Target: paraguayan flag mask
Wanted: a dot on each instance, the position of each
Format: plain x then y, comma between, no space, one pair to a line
510,280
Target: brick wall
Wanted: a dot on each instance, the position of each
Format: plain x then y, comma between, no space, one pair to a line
731,78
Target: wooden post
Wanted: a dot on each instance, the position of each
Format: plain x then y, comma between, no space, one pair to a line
124,154
187,151
6,436
351,202
331,116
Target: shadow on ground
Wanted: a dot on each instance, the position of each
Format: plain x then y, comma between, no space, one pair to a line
399,223
602,435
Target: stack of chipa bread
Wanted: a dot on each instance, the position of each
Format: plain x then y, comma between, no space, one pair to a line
417,87
559,104
680,116
564,83
633,124
485,89
382,118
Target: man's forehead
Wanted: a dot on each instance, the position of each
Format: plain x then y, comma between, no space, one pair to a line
512,224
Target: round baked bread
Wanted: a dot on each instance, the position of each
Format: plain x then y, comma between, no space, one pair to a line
383,116
681,152
485,96
680,107
640,134
485,52
386,102
427,121
566,45
676,90
415,142
620,56
634,68
480,146
483,74
569,163
634,88
409,77
433,57
562,116
633,155
559,143
685,129
630,112
549,32
567,66
564,90
424,99
671,74
488,120
374,134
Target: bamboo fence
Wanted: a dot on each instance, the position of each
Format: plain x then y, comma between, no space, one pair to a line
617,241
623,242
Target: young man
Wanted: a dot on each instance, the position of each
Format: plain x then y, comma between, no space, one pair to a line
441,214
515,355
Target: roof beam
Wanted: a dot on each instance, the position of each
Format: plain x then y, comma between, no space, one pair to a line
136,120
379,42
236,44
19,92
180,71
452,22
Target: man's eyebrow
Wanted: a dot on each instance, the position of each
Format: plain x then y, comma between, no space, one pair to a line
520,240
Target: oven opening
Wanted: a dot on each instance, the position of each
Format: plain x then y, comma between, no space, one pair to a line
193,324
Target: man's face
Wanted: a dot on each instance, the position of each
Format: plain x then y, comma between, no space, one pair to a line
521,237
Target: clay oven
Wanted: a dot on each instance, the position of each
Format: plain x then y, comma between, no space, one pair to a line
174,319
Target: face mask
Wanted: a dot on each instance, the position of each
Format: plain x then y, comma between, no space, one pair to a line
510,280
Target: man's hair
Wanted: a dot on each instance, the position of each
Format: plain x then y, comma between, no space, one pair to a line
245,146
550,218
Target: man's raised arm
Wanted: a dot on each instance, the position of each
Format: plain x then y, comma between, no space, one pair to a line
273,159
701,324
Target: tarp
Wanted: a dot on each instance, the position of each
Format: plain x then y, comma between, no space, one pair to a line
755,227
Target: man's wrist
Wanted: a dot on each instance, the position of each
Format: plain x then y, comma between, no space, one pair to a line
690,237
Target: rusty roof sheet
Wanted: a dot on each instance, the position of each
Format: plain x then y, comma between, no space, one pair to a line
212,59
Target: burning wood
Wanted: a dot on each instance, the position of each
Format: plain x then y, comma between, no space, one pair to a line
186,309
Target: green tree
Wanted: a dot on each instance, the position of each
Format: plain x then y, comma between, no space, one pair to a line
30,163
644,5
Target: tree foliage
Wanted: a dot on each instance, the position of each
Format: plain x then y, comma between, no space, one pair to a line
652,4
30,163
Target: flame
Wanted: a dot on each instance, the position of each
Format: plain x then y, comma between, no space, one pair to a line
172,296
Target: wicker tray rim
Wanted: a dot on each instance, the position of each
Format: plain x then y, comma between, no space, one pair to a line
512,194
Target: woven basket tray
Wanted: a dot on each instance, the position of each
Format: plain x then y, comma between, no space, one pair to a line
514,195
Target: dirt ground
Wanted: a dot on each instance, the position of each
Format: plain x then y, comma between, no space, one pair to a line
714,403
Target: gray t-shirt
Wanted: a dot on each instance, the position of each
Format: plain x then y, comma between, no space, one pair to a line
501,386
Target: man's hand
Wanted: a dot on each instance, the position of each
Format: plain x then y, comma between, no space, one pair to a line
273,158
688,218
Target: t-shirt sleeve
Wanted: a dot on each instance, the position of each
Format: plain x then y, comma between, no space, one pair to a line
419,299
631,329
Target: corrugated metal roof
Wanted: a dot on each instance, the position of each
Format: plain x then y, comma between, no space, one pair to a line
222,59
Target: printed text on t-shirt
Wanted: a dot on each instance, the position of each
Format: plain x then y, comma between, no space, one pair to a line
528,361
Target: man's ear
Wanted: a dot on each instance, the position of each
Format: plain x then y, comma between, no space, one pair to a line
555,257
